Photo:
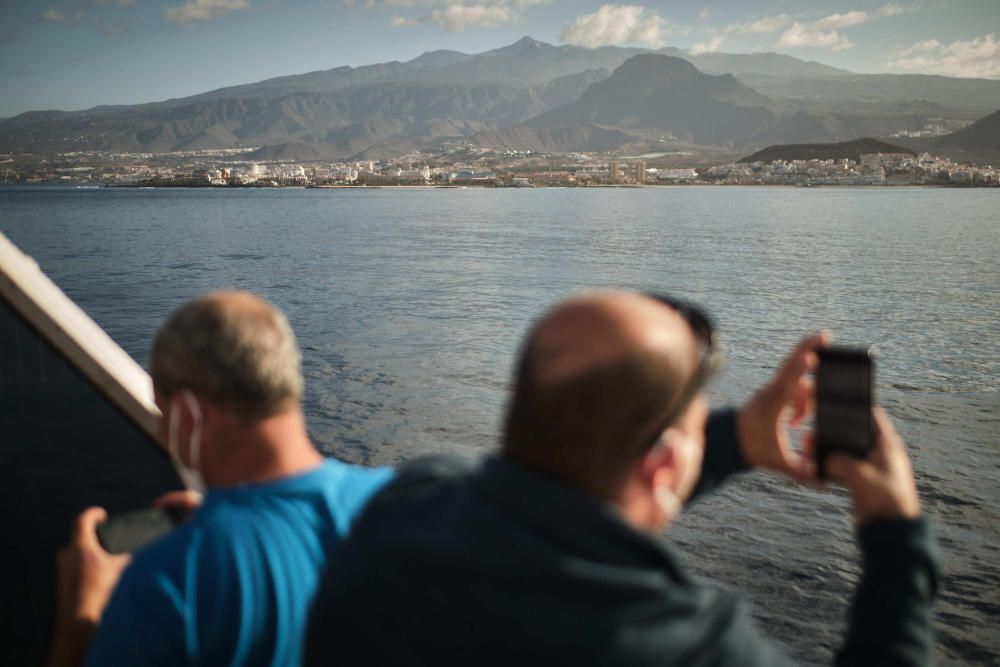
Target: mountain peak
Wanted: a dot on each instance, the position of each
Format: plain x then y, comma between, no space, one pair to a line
656,66
524,44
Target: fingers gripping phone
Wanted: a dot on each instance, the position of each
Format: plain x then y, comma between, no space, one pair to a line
128,532
844,421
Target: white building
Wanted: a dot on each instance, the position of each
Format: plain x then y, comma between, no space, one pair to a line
676,174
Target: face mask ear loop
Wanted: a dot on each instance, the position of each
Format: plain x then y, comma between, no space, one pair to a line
194,449
668,501
665,497
172,446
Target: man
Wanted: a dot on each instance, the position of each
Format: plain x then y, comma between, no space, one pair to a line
232,585
552,552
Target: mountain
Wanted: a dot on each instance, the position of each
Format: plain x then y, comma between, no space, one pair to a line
861,93
524,64
770,64
297,152
983,134
851,150
554,140
658,94
352,118
758,99
809,127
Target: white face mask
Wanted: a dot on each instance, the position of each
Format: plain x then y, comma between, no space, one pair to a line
190,474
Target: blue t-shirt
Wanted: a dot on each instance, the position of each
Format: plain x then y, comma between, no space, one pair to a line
233,585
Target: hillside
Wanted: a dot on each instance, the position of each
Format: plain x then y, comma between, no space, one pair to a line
983,134
851,150
554,140
859,93
354,118
653,92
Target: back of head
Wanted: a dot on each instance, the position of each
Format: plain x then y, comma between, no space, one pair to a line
233,348
594,378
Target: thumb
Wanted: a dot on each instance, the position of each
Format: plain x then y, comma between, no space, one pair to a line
85,530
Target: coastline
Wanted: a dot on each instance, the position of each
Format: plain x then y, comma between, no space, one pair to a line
83,185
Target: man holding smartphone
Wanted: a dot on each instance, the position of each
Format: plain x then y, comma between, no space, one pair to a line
231,585
552,551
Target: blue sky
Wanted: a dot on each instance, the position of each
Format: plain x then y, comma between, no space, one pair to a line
74,54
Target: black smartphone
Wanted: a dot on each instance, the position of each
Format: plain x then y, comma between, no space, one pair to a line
128,532
844,400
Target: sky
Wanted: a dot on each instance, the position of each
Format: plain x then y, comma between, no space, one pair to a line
76,54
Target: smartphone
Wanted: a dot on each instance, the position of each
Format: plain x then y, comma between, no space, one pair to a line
128,532
844,400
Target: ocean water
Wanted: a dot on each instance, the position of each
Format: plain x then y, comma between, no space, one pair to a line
409,306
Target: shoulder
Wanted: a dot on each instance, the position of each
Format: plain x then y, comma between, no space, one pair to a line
347,487
424,478
334,473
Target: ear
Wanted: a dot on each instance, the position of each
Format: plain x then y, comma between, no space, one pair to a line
659,466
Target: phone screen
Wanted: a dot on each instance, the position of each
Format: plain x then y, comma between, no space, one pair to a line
844,403
129,532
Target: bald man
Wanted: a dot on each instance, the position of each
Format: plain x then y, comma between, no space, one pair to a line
553,551
232,585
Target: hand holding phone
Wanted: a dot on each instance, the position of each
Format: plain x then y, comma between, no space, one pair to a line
844,404
128,532
882,485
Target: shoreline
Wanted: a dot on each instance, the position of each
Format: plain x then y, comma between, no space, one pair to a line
84,185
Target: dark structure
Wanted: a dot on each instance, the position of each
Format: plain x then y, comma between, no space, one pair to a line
64,445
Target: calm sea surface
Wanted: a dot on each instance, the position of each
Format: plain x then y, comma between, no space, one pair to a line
409,305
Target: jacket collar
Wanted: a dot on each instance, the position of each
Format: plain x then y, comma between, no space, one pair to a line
582,524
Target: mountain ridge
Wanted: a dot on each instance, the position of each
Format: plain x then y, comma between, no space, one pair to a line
366,108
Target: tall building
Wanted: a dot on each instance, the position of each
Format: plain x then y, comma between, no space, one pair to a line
613,171
640,172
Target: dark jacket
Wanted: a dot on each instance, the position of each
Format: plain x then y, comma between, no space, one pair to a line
489,564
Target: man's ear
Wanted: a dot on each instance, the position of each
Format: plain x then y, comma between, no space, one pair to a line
659,465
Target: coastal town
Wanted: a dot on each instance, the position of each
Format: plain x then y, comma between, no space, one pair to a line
471,167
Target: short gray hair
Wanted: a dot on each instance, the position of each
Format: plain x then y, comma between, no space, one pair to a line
235,349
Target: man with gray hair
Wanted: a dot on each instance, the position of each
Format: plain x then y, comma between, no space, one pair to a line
233,584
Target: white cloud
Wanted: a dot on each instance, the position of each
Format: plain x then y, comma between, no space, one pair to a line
619,24
758,26
398,21
975,58
844,20
824,33
927,45
894,9
53,15
195,11
807,35
456,18
713,43
766,24
842,45
705,13
455,15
